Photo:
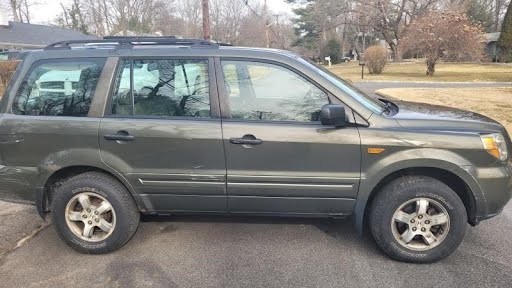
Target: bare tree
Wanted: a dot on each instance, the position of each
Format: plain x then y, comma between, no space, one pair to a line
15,6
72,17
500,7
20,9
252,30
190,12
226,19
238,22
131,16
390,17
439,34
106,17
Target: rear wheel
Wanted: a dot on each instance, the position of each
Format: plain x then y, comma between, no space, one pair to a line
417,219
94,213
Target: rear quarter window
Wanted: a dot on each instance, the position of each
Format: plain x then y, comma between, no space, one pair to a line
59,87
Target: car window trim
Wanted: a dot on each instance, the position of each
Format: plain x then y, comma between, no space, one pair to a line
132,95
162,117
213,93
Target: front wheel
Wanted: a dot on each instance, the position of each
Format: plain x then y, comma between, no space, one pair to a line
417,219
94,213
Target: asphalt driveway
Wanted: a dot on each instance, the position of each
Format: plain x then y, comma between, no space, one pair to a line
257,252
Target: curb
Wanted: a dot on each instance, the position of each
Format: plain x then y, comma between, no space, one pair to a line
432,82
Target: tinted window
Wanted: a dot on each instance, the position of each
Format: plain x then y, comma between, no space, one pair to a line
58,88
163,88
262,91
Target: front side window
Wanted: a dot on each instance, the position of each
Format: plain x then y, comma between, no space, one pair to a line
172,88
368,101
263,91
60,87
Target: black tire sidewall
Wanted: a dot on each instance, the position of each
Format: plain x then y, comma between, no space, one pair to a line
114,193
406,189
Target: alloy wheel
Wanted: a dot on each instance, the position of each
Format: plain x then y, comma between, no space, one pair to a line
90,217
420,224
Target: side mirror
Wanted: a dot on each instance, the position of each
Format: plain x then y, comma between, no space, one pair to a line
333,115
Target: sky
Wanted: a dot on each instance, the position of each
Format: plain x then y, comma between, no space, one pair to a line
49,9
280,6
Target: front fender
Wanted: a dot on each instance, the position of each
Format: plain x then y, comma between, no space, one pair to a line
377,169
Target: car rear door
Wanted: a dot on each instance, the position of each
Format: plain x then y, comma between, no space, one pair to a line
163,132
280,159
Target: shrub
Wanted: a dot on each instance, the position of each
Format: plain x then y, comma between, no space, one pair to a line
333,49
376,58
505,40
7,68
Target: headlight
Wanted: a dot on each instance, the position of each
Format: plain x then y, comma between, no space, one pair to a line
495,145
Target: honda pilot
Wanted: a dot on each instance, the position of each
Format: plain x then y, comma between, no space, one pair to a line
96,133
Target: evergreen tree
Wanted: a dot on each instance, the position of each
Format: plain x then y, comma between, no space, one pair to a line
481,13
306,28
505,40
333,49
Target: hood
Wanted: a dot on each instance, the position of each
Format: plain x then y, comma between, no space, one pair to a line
421,115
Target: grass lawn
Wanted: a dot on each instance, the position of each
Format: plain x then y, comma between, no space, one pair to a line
445,72
495,103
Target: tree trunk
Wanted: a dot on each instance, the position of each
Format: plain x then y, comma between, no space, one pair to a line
497,6
431,67
395,54
14,8
27,11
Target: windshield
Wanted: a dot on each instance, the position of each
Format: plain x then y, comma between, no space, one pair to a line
369,102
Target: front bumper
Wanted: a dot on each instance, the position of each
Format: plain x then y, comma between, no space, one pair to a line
495,185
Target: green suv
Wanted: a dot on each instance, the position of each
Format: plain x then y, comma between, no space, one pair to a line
98,133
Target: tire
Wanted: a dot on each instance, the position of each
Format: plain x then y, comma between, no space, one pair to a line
401,202
115,225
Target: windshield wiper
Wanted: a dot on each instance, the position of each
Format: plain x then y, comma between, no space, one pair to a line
387,108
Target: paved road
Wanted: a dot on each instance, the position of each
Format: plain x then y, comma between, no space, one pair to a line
258,252
371,86
16,223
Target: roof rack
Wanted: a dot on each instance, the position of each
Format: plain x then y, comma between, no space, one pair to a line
139,37
128,42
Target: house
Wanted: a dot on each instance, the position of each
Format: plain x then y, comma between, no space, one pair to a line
491,44
25,36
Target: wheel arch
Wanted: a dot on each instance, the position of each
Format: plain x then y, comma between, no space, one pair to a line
64,173
450,178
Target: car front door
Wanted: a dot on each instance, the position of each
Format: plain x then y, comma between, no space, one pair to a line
164,134
280,159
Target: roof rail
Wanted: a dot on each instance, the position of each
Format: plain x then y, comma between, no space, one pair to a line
128,42
139,37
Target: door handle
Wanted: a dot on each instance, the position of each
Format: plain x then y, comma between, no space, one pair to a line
119,136
246,140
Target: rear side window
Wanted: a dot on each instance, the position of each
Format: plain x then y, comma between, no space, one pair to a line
59,87
162,88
